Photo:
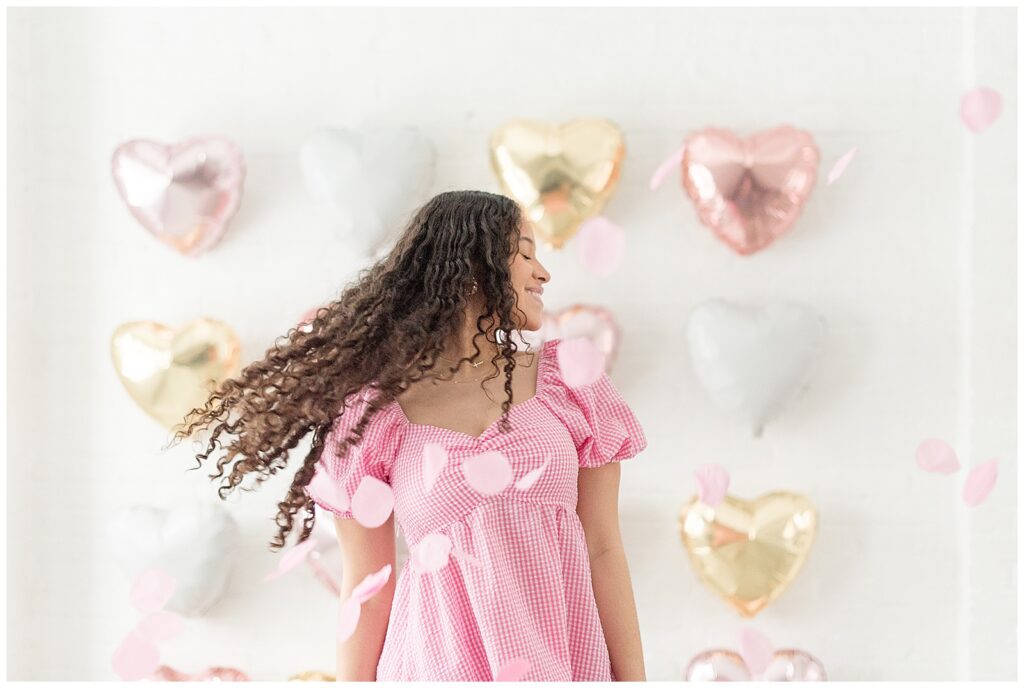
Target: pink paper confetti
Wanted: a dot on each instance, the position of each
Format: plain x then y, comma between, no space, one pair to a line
935,456
322,574
527,481
431,553
327,490
980,107
152,590
348,618
674,161
755,650
513,670
712,483
135,658
160,626
292,558
464,556
840,165
372,502
580,361
372,584
980,482
488,473
601,245
435,458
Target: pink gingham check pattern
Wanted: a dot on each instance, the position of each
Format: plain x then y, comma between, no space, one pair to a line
524,590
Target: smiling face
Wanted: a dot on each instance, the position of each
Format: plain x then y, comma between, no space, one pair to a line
528,279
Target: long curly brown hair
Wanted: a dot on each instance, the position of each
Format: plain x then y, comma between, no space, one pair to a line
384,331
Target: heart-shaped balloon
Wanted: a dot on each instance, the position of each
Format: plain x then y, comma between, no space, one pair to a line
749,191
166,673
368,180
726,665
312,676
749,552
170,372
590,322
183,193
753,361
561,174
193,543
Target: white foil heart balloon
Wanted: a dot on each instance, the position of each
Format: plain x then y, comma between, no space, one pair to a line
194,543
753,361
369,180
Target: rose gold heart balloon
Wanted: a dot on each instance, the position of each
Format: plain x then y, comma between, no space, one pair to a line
166,673
726,665
749,191
185,193
592,322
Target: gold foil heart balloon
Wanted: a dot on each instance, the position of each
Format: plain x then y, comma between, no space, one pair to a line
749,552
561,174
169,372
749,191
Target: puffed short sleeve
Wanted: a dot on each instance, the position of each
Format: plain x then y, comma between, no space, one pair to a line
339,474
605,428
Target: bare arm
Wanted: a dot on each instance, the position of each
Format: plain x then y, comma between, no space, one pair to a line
365,551
598,510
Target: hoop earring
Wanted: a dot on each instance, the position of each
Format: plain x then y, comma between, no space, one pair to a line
474,287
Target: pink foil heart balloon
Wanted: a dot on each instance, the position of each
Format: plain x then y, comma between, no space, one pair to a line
184,193
592,322
726,665
749,191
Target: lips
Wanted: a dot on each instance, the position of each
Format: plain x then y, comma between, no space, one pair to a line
535,293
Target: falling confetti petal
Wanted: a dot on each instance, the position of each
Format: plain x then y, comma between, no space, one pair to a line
135,658
322,574
372,584
712,483
756,651
152,590
348,618
431,553
488,473
463,556
840,165
601,245
980,107
513,670
672,162
935,456
527,481
372,502
980,482
292,558
580,361
435,458
160,626
328,491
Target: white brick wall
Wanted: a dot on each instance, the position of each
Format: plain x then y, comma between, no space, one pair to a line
910,257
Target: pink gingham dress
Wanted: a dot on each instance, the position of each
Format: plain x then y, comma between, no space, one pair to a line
524,590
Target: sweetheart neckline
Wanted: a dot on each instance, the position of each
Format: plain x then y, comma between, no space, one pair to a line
542,359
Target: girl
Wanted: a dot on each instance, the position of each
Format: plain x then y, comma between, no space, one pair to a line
407,363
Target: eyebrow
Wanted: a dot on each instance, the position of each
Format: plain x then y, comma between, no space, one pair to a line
527,239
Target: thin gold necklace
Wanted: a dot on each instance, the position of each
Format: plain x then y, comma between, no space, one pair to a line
478,379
